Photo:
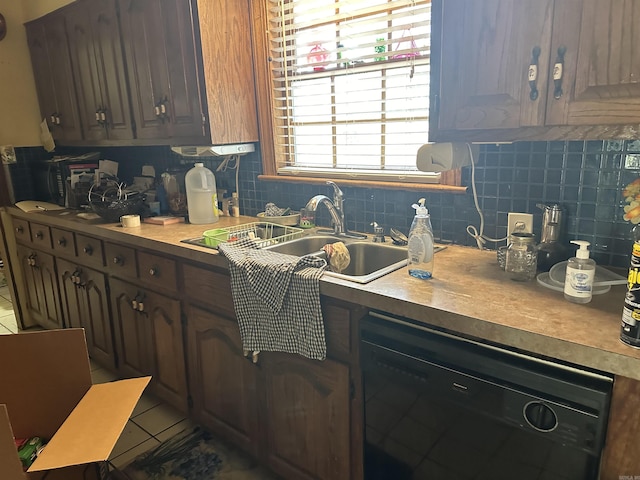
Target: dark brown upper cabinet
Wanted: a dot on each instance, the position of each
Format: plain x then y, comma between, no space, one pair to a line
49,51
506,70
166,91
99,70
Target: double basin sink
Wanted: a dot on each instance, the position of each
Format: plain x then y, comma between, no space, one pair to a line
369,260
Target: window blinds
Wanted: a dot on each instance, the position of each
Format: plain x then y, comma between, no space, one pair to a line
350,82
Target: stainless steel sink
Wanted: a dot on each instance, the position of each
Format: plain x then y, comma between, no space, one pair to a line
368,260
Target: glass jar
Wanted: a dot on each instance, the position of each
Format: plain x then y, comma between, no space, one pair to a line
173,181
522,257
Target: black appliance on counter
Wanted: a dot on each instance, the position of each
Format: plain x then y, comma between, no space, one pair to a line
53,178
438,406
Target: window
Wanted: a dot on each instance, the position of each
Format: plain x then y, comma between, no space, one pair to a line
349,87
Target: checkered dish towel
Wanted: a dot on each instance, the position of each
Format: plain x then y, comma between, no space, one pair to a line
277,300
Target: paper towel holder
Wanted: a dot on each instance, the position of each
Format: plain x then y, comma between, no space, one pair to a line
440,157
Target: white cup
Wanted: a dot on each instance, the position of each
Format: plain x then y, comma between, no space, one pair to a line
130,220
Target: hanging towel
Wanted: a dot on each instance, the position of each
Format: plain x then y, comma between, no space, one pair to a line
277,300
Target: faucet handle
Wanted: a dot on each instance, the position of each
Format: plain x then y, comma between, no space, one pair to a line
336,189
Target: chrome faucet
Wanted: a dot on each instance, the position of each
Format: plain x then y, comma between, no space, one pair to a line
335,210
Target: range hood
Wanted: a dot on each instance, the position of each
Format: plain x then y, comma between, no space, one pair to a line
214,150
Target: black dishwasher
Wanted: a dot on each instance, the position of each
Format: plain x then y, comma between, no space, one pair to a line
441,407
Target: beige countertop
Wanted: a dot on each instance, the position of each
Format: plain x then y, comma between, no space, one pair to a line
469,295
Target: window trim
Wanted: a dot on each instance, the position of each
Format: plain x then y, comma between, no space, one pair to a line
449,181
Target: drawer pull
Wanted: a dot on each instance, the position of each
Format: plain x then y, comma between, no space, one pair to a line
62,242
88,250
39,235
20,230
118,260
154,271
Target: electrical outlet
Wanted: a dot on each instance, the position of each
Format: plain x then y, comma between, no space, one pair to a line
520,222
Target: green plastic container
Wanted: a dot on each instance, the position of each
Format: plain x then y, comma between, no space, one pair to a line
215,237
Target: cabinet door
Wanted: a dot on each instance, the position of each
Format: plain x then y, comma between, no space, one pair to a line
131,330
160,50
49,51
72,306
96,51
84,297
307,416
167,353
96,317
602,63
222,380
486,50
41,285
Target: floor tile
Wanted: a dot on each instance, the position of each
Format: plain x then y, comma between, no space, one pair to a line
170,432
6,307
94,365
4,330
146,402
159,418
4,293
10,323
132,436
102,376
125,458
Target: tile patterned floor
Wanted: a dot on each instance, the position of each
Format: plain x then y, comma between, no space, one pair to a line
151,422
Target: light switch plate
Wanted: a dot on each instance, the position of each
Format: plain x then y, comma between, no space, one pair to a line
521,222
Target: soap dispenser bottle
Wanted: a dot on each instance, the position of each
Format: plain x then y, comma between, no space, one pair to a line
420,249
578,281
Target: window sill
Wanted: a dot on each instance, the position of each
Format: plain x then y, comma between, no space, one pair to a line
367,184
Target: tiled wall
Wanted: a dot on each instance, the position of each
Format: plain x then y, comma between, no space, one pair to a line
586,178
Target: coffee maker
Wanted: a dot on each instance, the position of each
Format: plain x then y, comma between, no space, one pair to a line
550,248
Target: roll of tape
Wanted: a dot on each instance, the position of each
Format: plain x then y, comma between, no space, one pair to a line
130,220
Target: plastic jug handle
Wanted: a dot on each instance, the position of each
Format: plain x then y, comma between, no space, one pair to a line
203,174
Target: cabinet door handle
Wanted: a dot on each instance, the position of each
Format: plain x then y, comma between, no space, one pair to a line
62,242
118,260
156,110
88,250
31,260
52,117
103,115
558,72
98,116
58,119
533,73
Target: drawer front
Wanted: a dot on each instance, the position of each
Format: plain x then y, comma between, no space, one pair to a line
40,235
209,287
21,230
90,252
157,270
121,260
64,242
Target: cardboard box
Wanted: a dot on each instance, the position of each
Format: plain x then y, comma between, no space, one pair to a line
46,391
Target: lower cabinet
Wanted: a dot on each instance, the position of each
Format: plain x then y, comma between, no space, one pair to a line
306,416
41,287
148,339
291,412
85,304
221,379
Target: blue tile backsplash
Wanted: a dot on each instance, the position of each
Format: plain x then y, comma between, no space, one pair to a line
585,178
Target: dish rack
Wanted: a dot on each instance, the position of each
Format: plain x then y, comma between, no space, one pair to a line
263,234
